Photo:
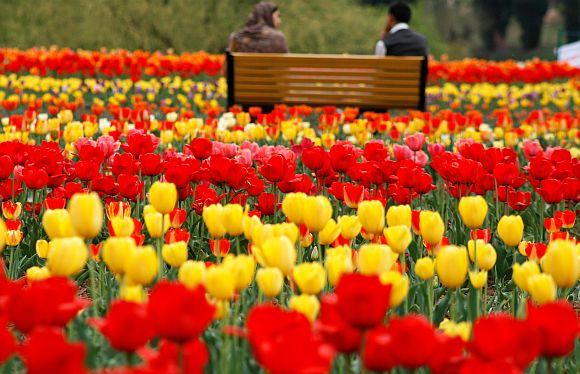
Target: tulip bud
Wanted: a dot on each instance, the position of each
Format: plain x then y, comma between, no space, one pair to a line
132,292
36,273
122,226
279,252
219,282
425,268
42,248
270,281
191,273
58,224
451,265
399,237
243,268
329,233
86,212
374,259
293,207
232,219
561,262
478,278
473,210
142,265
163,196
317,212
511,230
115,253
66,256
486,254
305,304
399,286
310,277
542,288
2,235
431,227
371,215
175,254
248,224
522,272
156,223
222,309
349,226
453,329
399,215
213,217
338,261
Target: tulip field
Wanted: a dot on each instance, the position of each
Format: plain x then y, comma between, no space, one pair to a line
148,228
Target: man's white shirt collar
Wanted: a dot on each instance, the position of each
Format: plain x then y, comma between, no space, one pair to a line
399,26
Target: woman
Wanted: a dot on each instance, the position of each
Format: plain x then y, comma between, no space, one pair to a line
261,33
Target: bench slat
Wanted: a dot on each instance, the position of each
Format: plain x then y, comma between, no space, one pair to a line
238,71
248,79
292,87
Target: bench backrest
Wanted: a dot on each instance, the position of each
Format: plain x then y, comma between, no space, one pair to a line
367,82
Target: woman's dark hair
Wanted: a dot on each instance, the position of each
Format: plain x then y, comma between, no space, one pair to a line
400,11
262,14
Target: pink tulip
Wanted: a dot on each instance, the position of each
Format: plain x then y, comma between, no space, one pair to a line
415,141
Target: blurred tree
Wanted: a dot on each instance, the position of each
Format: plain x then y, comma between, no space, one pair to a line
494,17
572,19
530,16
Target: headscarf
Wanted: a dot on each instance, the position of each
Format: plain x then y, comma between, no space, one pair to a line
260,35
260,17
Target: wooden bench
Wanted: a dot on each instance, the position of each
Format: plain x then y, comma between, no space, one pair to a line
367,82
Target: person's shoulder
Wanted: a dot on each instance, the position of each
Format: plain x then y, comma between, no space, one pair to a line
272,32
418,35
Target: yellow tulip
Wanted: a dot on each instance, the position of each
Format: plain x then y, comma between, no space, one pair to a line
305,304
287,229
220,282
310,277
317,212
329,233
371,215
163,196
270,281
374,259
399,286
542,288
86,212
175,254
191,273
522,272
425,268
453,329
42,248
58,224
142,265
279,252
451,265
222,309
349,226
2,235
338,261
486,254
561,262
431,226
36,273
511,230
478,278
293,206
122,226
157,224
399,237
248,224
116,251
399,215
132,292
232,219
213,217
473,210
66,256
243,268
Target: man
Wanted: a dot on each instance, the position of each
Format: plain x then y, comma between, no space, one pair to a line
398,39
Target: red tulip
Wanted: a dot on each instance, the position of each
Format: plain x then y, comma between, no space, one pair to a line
223,245
505,174
551,191
130,186
47,351
150,164
123,163
34,178
52,302
475,364
314,158
86,170
375,151
177,217
334,329
277,168
519,200
7,342
177,313
377,343
126,326
557,323
201,148
540,168
362,300
6,166
448,354
140,142
267,203
567,217
353,194
342,156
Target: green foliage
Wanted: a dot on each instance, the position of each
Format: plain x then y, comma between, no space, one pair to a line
321,26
